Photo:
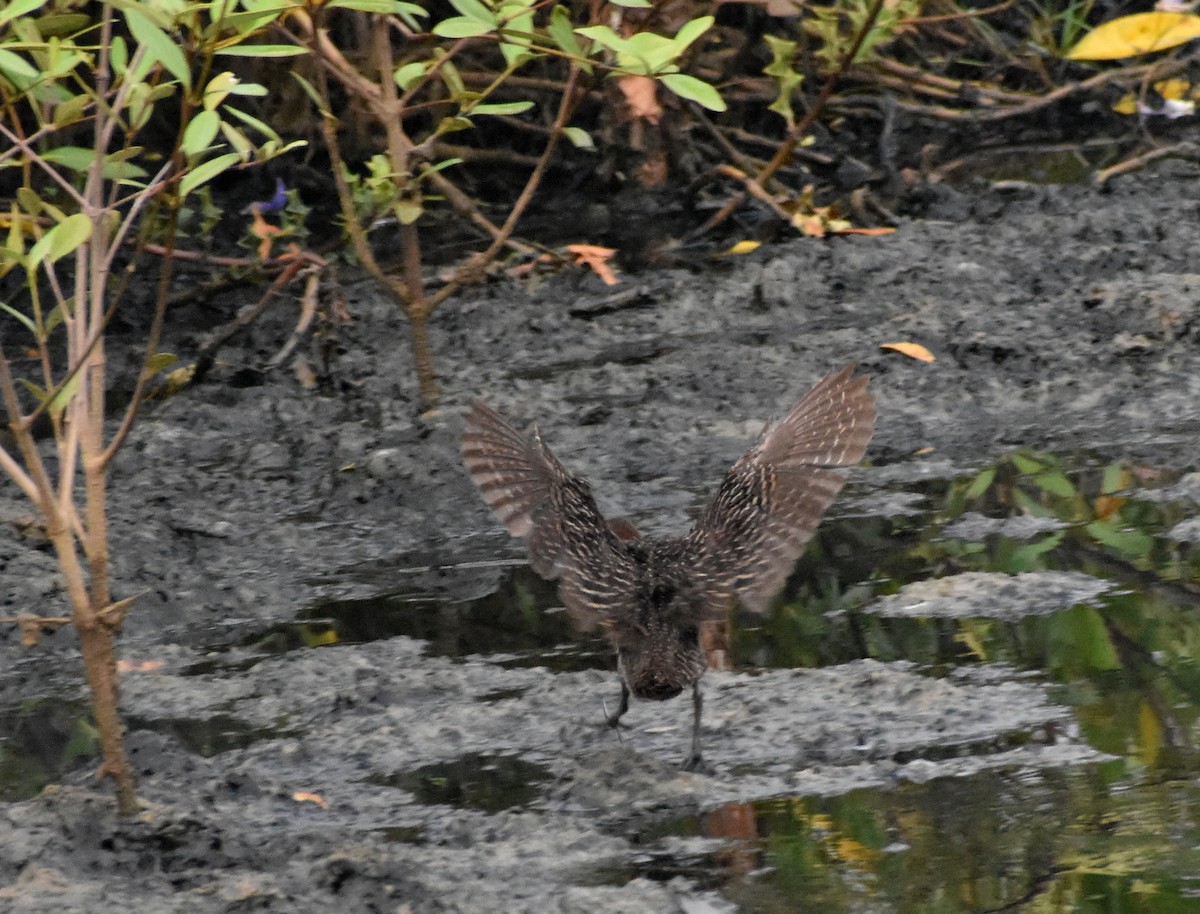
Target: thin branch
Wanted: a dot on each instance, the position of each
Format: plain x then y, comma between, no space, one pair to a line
13,470
784,153
565,107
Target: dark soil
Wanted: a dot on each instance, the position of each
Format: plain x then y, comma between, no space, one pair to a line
1062,319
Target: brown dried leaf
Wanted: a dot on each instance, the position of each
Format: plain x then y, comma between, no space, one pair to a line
31,631
641,96
139,666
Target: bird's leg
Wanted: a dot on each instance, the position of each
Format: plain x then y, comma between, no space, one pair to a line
694,761
614,720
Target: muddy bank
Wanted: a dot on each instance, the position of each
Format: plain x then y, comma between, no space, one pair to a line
1061,319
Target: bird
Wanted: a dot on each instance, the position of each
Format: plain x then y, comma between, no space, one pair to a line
652,594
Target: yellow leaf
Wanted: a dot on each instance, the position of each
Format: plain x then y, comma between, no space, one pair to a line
1172,89
912,350
1150,733
744,247
1141,33
1126,105
303,796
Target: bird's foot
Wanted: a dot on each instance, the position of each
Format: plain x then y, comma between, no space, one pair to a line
695,762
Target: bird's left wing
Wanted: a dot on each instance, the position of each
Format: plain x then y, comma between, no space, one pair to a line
536,498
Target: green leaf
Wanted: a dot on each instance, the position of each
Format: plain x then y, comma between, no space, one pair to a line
158,362
1027,464
238,141
61,240
1130,543
981,484
1056,484
119,54
407,211
71,110
76,158
263,50
463,27
17,68
690,31
563,35
1116,478
453,124
205,172
311,91
20,8
502,108
695,89
410,74
61,25
57,313
473,9
251,121
385,7
200,133
159,47
69,235
23,318
450,75
783,53
606,37
634,4
1028,556
63,398
1092,643
579,137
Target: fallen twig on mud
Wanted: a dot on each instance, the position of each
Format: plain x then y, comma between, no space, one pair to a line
1184,150
207,357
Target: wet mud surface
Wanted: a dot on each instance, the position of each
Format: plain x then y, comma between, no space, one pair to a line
418,766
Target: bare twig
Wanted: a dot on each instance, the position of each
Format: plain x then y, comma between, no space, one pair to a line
1183,150
784,153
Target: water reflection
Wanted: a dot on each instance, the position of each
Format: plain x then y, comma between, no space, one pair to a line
1056,841
1122,836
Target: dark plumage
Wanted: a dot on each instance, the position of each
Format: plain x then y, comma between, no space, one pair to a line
652,594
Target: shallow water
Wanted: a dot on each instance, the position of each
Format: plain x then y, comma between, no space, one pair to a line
1118,835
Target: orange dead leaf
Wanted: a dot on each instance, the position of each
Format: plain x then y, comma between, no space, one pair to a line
302,796
922,451
260,228
912,350
596,258
641,95
139,666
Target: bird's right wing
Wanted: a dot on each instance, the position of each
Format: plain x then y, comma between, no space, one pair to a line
772,499
536,498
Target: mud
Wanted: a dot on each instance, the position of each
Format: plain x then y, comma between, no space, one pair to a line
1061,320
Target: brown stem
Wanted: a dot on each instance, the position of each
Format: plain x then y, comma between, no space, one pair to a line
418,308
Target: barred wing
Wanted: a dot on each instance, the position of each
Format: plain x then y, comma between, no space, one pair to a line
772,500
536,498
